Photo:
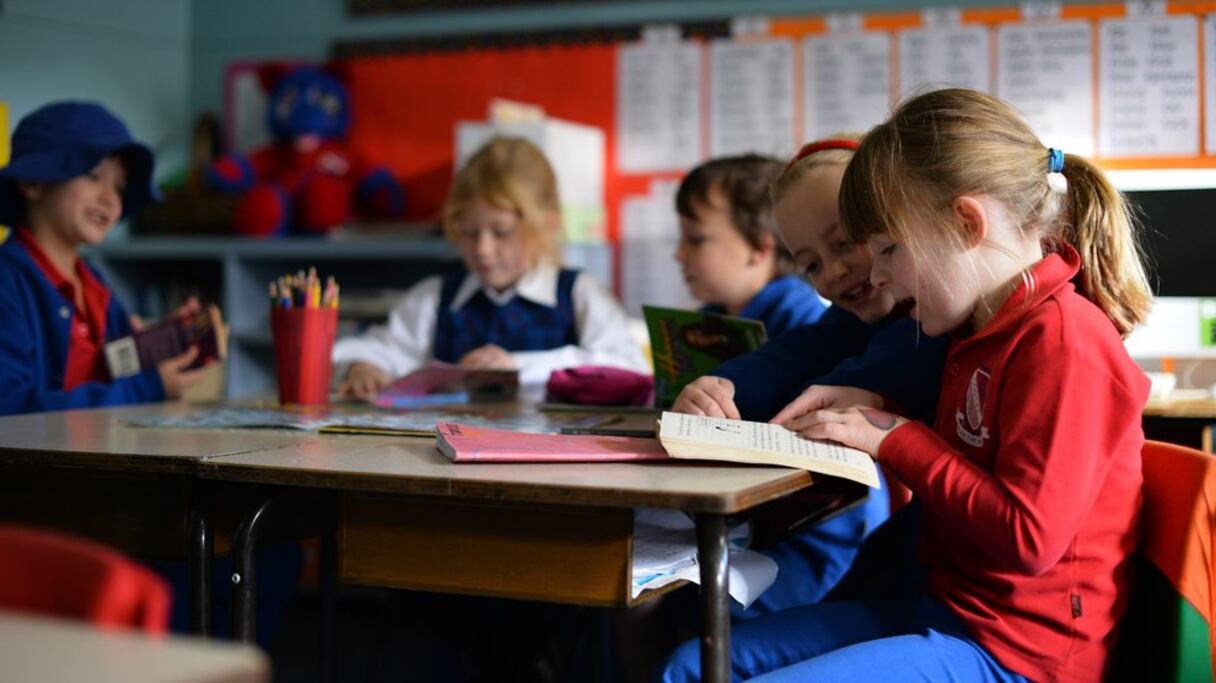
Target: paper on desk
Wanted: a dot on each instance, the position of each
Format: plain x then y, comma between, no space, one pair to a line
665,551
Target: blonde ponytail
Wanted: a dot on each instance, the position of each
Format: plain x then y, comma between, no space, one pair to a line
953,142
1097,222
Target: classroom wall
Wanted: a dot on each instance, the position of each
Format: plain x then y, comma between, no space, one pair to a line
224,31
130,55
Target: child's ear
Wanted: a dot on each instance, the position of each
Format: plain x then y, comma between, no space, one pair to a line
973,218
767,247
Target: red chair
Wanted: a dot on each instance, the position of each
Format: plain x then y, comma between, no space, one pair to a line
1167,633
53,574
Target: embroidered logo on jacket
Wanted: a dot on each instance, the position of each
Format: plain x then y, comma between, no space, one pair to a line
970,420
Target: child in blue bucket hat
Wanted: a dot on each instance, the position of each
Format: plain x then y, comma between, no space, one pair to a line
75,172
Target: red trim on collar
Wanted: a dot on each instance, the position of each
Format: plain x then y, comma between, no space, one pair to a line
1053,273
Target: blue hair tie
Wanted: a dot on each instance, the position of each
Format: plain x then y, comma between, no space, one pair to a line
1055,160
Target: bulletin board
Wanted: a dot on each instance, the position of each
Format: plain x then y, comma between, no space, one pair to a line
1131,85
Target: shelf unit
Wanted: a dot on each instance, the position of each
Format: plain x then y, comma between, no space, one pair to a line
235,273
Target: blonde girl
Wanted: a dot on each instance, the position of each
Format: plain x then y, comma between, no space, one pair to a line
512,305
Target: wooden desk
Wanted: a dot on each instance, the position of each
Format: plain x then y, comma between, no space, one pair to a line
1185,421
546,532
53,651
87,472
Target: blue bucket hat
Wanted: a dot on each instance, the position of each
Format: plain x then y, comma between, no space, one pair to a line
63,140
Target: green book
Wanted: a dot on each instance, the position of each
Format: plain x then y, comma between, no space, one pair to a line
688,344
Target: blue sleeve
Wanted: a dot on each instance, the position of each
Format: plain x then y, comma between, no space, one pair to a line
796,312
23,365
771,376
901,364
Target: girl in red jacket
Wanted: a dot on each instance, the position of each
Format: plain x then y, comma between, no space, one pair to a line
1029,478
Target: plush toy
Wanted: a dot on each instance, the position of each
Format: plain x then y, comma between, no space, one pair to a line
308,180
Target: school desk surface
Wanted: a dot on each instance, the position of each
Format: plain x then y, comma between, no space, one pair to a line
553,532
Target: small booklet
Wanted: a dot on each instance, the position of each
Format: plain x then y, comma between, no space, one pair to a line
687,344
440,384
167,338
714,438
466,443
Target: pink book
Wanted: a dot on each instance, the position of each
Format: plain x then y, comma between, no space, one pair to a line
463,443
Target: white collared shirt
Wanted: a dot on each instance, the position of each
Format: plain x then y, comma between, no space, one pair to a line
406,343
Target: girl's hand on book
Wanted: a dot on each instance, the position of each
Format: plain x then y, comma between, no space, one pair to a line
174,375
823,397
858,427
364,380
488,357
708,395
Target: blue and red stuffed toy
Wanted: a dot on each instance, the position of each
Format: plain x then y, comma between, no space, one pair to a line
308,181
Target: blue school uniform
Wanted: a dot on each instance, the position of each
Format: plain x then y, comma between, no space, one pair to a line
35,328
892,358
518,325
784,304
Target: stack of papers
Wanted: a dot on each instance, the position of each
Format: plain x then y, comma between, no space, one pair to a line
414,423
665,551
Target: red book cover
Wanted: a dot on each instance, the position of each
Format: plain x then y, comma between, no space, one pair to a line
463,443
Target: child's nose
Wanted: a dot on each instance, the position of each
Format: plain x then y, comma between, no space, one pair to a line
485,242
879,277
111,197
837,270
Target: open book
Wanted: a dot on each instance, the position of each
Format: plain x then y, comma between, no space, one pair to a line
167,338
759,443
687,344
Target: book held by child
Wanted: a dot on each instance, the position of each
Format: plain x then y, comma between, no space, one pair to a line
688,344
167,338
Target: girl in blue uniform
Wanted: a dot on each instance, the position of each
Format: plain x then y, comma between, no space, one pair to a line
75,172
512,305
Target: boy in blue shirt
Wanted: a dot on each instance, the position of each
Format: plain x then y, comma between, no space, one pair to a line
730,253
75,172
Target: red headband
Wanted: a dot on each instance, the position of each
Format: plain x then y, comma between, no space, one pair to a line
811,147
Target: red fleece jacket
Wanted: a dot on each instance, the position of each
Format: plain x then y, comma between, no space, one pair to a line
1030,479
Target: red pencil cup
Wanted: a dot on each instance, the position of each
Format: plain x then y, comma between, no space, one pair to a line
303,341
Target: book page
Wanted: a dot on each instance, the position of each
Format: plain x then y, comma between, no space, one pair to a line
760,439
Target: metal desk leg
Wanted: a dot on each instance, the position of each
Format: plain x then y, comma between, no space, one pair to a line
244,573
715,610
200,557
329,593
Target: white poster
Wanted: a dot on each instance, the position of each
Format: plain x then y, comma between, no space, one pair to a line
650,234
1209,82
1148,86
658,107
846,83
942,57
1046,71
752,98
